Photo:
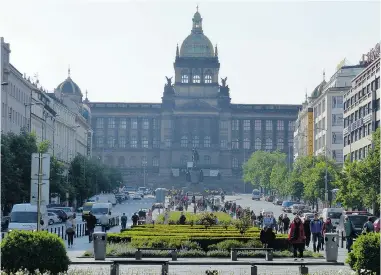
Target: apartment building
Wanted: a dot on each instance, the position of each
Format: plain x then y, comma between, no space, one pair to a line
362,108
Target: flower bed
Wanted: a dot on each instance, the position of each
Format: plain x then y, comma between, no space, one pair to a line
124,250
168,236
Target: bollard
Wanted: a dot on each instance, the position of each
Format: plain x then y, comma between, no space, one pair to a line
174,255
233,255
303,270
269,255
342,241
138,255
254,270
114,270
164,269
62,233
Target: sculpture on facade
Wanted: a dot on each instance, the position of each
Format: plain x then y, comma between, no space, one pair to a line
195,156
223,80
169,81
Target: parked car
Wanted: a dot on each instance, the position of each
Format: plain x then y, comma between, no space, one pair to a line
137,196
157,206
376,225
270,198
53,218
286,206
278,202
68,210
5,223
60,213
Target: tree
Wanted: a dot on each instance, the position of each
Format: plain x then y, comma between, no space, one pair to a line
278,179
258,168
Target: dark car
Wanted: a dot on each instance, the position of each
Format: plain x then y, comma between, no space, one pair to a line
5,223
60,213
270,198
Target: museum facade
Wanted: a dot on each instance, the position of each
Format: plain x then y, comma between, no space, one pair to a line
152,142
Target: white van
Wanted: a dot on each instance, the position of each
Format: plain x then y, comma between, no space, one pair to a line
334,214
24,217
98,209
256,195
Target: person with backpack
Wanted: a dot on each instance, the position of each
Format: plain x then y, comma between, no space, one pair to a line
315,228
368,226
350,232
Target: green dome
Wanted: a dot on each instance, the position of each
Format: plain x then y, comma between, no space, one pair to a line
69,87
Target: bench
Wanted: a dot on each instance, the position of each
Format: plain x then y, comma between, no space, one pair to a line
164,264
139,254
269,252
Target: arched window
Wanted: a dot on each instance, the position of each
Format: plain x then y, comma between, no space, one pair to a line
269,144
121,162
155,162
235,163
207,141
207,159
184,78
196,78
208,77
184,141
246,143
235,144
280,144
196,141
144,161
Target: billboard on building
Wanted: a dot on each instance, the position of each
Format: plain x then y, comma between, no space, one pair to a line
310,132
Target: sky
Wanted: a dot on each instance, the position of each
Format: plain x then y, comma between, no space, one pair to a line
121,51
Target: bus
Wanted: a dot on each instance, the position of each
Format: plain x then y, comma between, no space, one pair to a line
256,195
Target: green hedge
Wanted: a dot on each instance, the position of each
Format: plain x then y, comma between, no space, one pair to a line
33,251
365,253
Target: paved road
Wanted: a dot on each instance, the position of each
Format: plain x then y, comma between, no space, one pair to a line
129,207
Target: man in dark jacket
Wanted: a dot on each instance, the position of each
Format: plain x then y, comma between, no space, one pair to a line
182,219
307,230
135,219
91,222
286,223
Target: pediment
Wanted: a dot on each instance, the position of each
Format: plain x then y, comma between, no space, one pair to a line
197,105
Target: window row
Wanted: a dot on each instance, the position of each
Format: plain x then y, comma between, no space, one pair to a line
196,77
195,142
359,154
258,144
360,113
123,142
258,125
18,94
358,134
13,116
111,123
133,161
373,86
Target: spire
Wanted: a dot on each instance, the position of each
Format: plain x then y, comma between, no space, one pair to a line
216,51
324,75
306,96
197,22
177,50
68,72
86,94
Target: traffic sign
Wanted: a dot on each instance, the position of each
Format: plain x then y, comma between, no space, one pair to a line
36,165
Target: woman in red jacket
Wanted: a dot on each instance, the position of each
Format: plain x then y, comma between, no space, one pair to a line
297,237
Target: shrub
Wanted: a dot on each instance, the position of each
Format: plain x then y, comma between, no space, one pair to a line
33,251
208,219
228,244
365,253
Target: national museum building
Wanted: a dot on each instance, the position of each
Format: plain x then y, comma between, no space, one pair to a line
152,142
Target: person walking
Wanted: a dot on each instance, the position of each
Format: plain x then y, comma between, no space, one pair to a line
286,223
368,226
91,222
315,228
297,237
70,231
307,230
135,219
123,220
104,222
350,232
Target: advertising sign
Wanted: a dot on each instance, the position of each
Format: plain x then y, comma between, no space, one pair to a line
44,192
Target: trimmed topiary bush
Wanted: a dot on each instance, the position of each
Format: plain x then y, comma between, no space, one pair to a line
365,255
33,251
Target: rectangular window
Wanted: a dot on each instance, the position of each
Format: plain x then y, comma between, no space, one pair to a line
155,124
111,142
99,123
337,137
224,143
337,102
257,125
323,123
111,123
122,142
269,125
144,142
99,142
246,125
280,125
134,142
134,123
145,124
235,144
155,142
291,126
168,143
122,123
235,125
224,124
337,120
